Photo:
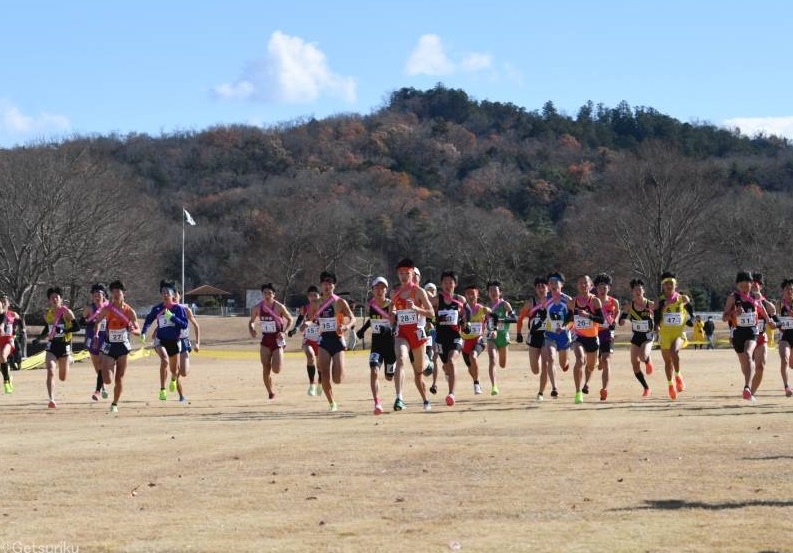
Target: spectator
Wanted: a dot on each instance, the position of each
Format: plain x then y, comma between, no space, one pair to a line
710,333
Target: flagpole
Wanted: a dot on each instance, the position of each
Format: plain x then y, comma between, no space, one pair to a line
184,289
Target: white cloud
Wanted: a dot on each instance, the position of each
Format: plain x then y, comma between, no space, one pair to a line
15,123
429,57
293,71
750,126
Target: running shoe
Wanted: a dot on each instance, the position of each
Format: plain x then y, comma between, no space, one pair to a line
163,394
604,394
312,389
333,407
428,370
585,389
450,400
788,391
648,369
172,385
113,408
427,405
51,404
747,394
7,387
679,384
433,389
182,399
271,395
565,367
539,397
477,389
399,404
554,393
94,396
646,392
672,392
494,390
104,393
579,397
378,409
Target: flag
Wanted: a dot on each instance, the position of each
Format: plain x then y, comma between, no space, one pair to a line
188,218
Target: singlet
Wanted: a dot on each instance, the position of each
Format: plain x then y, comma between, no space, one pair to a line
673,315
611,312
269,323
328,320
477,322
641,320
119,322
558,314
746,322
448,316
408,320
50,319
584,326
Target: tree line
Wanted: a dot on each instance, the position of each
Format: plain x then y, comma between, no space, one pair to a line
489,189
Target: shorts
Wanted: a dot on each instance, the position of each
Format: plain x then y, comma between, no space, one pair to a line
762,338
446,345
666,339
415,337
473,345
171,347
59,348
501,340
116,349
787,336
313,345
6,341
561,340
332,343
381,355
606,343
638,339
186,346
536,340
741,336
591,344
94,345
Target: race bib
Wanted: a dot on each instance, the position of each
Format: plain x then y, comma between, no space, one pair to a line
118,335
378,325
582,323
448,317
8,329
162,322
311,333
786,323
407,317
268,327
327,325
476,328
747,319
640,326
553,325
102,325
375,359
673,319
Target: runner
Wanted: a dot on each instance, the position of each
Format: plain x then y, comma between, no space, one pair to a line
187,346
431,350
536,312
501,317
639,311
473,333
410,306
310,345
557,326
120,320
587,316
745,311
334,318
171,320
382,351
8,321
449,312
94,345
273,318
611,312
673,311
763,330
58,328
786,328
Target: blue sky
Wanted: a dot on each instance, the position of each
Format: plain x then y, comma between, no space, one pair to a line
85,67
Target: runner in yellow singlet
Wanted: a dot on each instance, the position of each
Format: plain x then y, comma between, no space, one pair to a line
672,313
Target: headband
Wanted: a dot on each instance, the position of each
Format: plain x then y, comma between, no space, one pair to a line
673,280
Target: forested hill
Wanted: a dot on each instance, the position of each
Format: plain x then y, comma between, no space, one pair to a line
491,190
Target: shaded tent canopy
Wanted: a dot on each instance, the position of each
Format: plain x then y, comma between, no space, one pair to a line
207,290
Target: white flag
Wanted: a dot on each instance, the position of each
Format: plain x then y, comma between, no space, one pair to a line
188,218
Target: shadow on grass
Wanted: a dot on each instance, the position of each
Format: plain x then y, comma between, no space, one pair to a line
679,504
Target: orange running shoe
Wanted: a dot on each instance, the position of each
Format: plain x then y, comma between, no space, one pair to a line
565,367
679,384
604,394
649,368
646,392
672,392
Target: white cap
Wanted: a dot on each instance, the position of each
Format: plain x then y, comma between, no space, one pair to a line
379,280
430,286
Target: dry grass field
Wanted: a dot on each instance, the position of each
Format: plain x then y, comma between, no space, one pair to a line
234,471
